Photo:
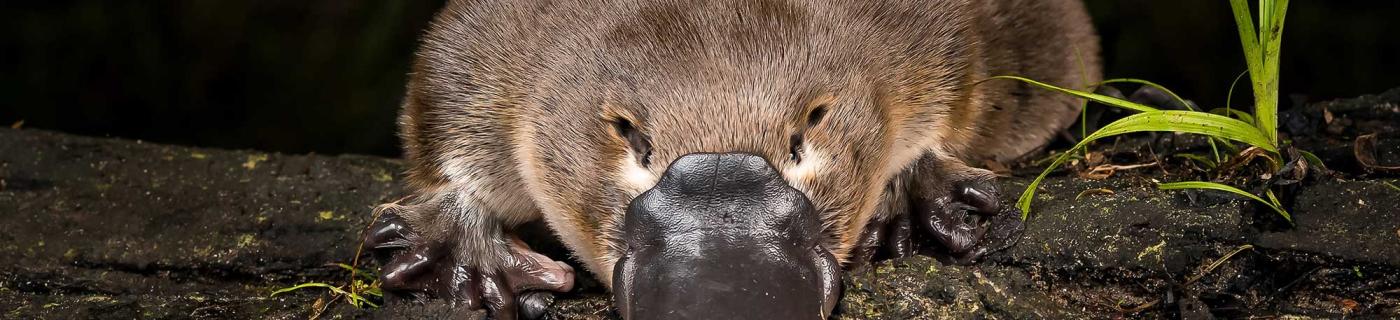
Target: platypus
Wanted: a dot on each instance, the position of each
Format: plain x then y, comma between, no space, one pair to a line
715,159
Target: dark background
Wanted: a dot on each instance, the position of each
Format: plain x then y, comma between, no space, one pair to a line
326,76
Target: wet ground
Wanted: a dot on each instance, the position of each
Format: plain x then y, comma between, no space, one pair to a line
101,228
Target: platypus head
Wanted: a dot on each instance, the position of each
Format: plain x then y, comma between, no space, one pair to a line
709,164
733,205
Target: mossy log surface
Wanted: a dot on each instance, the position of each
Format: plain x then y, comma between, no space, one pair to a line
106,228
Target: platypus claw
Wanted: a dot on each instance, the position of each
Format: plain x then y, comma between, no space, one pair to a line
959,218
414,269
957,206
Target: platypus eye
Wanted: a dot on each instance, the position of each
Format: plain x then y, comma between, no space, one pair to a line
639,142
815,117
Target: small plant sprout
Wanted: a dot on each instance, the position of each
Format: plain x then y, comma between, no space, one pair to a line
362,285
1261,50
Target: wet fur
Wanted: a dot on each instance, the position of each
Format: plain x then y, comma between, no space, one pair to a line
510,110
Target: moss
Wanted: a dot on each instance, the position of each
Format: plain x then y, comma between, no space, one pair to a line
204,251
253,160
383,176
246,240
1154,249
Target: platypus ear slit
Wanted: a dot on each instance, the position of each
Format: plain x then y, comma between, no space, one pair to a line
638,141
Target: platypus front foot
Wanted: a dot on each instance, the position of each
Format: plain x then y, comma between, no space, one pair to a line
955,205
511,283
968,221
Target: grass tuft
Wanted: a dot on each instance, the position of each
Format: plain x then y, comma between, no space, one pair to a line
363,284
1260,129
1159,121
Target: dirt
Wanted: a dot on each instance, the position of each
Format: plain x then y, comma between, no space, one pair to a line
103,228
116,229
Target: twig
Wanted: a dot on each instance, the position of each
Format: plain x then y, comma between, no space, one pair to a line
325,306
1106,170
1217,264
1295,282
1093,191
1140,308
1152,151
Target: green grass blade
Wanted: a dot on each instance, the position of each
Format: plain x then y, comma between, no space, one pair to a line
1271,41
1229,109
1125,104
303,286
1112,101
1253,53
366,275
1243,116
1230,94
1249,39
1187,122
360,301
1208,162
1024,202
1215,151
1313,159
1261,49
1150,84
1220,187
1084,105
357,300
1264,13
1273,200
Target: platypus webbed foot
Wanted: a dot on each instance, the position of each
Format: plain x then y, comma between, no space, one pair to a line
957,218
515,283
960,207
957,206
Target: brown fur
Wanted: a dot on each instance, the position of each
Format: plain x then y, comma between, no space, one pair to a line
510,110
